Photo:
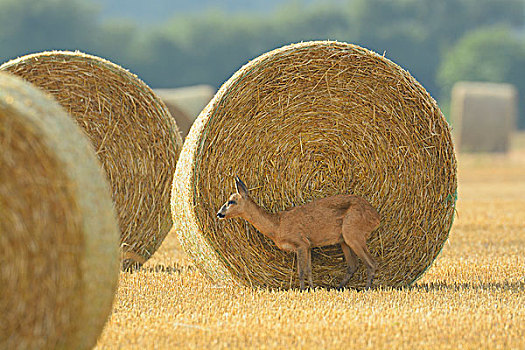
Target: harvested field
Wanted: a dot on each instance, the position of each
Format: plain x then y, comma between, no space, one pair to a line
473,296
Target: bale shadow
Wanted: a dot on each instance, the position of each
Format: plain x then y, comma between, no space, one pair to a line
514,286
161,268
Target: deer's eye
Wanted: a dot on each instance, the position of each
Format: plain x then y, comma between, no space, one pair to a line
232,202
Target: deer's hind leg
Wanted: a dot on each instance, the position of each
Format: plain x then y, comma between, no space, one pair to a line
360,249
351,263
355,235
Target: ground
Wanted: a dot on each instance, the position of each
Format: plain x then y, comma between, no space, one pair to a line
473,296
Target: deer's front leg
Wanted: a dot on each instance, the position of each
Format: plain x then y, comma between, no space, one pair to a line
302,257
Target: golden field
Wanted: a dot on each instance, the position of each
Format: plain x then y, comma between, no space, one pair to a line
472,297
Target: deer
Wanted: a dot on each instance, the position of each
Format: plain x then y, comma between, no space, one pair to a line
342,219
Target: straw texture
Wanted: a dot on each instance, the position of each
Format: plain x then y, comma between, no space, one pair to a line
59,256
484,116
131,130
307,121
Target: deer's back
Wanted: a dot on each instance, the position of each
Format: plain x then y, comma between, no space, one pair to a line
320,221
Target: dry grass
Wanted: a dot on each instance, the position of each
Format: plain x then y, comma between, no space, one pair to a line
472,297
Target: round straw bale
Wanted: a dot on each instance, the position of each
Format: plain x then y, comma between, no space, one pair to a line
484,116
59,258
131,130
308,121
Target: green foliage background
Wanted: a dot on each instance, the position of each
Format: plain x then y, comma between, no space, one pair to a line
439,42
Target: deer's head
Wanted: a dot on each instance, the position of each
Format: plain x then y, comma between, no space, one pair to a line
237,202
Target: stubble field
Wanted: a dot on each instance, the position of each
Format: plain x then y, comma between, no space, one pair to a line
472,297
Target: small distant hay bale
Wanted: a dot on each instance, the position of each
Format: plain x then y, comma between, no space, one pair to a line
131,130
308,121
59,237
483,115
184,121
190,100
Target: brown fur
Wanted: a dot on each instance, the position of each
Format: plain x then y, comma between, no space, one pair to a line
343,219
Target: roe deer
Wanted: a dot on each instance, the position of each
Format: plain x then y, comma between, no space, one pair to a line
347,220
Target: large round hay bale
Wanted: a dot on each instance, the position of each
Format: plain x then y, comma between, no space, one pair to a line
59,258
307,121
131,130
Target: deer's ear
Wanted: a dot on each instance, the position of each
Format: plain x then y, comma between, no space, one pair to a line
241,187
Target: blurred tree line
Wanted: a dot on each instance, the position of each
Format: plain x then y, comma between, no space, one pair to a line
439,42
